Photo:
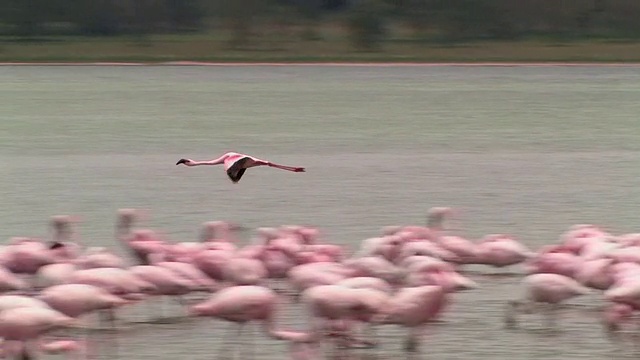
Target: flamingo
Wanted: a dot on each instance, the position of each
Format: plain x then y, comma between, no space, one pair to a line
23,325
8,302
140,243
245,304
614,315
62,245
236,164
75,300
544,288
414,307
337,308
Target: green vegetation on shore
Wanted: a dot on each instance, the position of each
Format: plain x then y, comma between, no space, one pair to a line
320,30
199,48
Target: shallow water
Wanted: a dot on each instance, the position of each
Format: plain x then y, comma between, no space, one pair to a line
520,150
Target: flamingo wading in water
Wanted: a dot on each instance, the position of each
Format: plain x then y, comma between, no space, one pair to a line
236,164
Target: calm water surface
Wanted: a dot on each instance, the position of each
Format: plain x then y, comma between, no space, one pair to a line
526,151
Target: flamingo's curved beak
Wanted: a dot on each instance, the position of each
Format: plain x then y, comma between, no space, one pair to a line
55,245
181,161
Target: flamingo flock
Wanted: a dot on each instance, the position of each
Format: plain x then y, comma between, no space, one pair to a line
406,276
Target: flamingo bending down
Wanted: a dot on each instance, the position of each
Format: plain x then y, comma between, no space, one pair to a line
236,164
23,325
544,288
244,304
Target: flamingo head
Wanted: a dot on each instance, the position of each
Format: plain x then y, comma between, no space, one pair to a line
437,215
126,217
55,245
62,221
616,314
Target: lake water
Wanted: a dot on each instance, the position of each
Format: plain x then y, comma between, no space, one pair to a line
522,150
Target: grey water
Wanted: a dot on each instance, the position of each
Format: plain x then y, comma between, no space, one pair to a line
527,151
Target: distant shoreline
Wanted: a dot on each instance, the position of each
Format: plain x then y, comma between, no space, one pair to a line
211,51
337,64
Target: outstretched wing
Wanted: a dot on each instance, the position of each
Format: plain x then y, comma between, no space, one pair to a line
236,170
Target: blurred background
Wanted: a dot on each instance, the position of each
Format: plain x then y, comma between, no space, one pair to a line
522,150
165,30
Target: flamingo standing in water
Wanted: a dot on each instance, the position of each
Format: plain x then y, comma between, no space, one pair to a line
544,288
236,164
22,326
242,305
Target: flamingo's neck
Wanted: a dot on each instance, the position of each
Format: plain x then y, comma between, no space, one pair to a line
435,222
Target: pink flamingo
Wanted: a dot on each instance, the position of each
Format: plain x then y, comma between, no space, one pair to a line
20,326
53,274
626,286
141,242
244,271
438,273
58,273
26,256
185,270
544,288
336,307
62,245
625,254
75,300
501,250
598,248
382,290
579,235
243,304
218,231
624,296
596,274
236,164
616,314
389,247
96,257
416,262
630,239
415,307
213,262
367,282
435,223
15,301
277,258
427,248
375,266
276,262
166,281
10,282
266,237
554,261
313,274
117,281
464,249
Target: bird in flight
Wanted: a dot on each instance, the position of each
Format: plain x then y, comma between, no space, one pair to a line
236,164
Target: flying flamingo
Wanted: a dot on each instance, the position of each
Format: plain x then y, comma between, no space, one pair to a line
236,164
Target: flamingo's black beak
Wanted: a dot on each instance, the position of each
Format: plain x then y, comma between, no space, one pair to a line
181,161
55,245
